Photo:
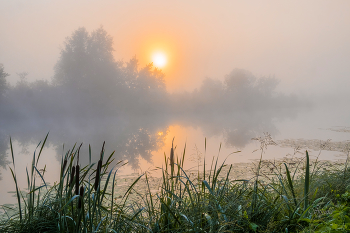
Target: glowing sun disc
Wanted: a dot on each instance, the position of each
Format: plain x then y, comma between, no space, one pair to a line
159,59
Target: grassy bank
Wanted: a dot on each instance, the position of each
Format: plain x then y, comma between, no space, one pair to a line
299,198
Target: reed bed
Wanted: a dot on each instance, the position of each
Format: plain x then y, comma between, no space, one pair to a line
297,196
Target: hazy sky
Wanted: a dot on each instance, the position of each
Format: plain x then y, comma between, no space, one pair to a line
304,44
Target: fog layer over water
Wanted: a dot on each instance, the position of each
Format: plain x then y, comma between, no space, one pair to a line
93,98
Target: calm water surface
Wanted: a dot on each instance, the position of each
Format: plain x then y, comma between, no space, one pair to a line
196,152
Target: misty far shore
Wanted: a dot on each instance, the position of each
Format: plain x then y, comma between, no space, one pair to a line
92,97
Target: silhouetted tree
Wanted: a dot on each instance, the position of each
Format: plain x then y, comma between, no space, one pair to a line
87,63
150,78
3,82
3,139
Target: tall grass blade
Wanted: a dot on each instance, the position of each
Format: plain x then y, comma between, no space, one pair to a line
112,200
169,210
307,182
15,180
41,149
132,185
150,195
290,183
17,193
42,178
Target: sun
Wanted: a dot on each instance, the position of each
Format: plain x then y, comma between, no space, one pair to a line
159,59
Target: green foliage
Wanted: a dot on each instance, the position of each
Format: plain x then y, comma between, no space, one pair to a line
337,221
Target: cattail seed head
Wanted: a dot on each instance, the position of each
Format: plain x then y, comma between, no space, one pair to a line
79,153
72,176
172,154
77,180
172,157
81,193
103,147
97,177
100,167
64,164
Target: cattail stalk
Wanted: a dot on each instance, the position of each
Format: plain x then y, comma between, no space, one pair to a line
72,176
77,180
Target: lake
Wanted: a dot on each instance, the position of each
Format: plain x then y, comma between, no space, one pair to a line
304,131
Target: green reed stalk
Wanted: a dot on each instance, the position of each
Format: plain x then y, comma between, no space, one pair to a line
15,180
307,182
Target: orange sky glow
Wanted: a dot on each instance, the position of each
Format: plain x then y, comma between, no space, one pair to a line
294,41
146,44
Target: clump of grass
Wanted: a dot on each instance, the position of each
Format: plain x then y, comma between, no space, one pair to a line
59,208
209,202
